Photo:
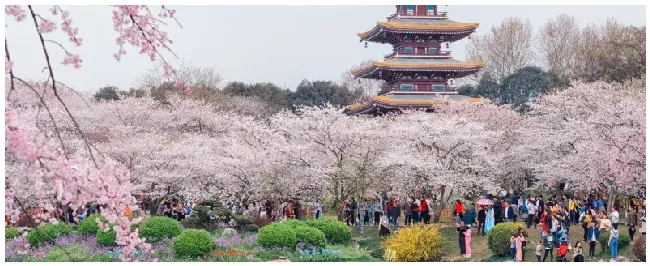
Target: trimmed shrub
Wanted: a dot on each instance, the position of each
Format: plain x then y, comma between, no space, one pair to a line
499,237
245,223
638,248
335,232
88,226
194,243
293,223
414,244
310,236
47,233
106,238
624,239
11,233
156,228
277,235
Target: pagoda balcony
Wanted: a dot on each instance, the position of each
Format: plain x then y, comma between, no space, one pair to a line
441,54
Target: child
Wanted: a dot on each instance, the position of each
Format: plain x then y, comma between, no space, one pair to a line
562,251
468,242
538,250
577,252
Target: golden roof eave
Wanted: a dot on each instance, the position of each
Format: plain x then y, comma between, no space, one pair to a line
386,100
418,65
402,26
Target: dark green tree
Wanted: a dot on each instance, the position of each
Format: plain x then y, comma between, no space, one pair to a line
487,87
319,93
271,94
466,90
524,86
107,93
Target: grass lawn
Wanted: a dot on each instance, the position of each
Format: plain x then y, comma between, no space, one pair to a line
368,245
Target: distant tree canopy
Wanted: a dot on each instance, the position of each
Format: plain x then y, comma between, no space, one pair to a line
107,93
319,93
517,89
267,92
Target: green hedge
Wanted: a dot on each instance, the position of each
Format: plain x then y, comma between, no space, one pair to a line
156,228
11,233
499,237
193,243
277,235
293,223
47,233
106,238
310,236
88,226
624,239
335,232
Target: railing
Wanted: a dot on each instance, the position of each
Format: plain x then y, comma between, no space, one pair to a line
440,53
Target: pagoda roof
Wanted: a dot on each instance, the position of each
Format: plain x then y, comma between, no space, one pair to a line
408,100
419,64
445,26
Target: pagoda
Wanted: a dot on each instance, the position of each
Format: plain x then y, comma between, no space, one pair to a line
418,72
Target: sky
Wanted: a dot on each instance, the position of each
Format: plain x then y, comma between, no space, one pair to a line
278,44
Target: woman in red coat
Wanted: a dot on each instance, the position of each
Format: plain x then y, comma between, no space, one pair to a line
424,210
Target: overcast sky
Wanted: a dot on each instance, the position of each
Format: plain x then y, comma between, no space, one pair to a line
279,44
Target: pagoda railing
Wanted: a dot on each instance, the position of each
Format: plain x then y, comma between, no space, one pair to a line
440,53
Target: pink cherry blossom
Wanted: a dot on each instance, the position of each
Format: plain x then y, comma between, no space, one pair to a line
16,11
46,26
71,59
8,66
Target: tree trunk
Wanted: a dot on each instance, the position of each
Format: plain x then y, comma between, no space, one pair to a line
610,197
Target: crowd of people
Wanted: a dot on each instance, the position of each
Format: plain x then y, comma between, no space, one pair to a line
554,217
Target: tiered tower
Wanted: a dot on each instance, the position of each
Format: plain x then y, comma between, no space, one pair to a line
418,71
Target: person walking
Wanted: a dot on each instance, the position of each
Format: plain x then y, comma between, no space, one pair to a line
371,211
519,247
408,213
489,220
481,220
632,222
383,225
510,213
468,242
378,212
530,219
613,243
318,209
538,250
549,243
362,213
424,210
458,208
461,228
395,213
415,211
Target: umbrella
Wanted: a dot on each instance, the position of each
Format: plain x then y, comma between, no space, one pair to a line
484,202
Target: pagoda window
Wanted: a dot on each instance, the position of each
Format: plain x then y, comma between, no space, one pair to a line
430,10
409,9
437,87
406,87
408,50
433,50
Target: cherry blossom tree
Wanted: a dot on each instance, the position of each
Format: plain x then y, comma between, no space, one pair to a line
59,175
591,136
